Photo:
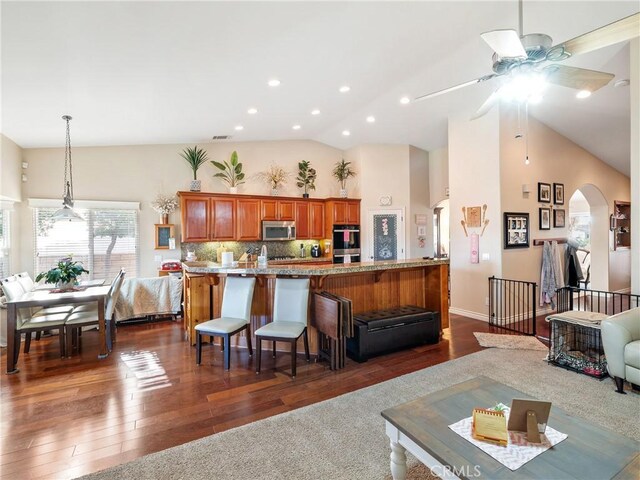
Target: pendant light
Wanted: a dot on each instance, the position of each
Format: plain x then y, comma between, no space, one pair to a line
67,212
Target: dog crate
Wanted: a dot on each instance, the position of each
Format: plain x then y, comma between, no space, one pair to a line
577,347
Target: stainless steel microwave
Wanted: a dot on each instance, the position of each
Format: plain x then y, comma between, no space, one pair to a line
275,230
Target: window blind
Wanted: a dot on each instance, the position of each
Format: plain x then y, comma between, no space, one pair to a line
105,242
5,268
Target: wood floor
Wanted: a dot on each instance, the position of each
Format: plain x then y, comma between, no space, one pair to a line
62,418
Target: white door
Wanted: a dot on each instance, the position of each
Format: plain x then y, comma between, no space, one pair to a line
386,234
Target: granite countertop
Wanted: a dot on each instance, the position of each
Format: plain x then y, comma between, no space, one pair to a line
309,270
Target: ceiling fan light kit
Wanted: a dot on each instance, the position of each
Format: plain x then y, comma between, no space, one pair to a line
526,62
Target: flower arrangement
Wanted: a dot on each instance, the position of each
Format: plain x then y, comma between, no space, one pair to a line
275,176
164,204
65,273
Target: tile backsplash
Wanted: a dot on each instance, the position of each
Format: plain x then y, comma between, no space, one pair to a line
207,251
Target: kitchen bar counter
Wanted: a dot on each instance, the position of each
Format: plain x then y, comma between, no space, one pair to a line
369,285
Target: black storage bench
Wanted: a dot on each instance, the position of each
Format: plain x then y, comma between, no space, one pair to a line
383,331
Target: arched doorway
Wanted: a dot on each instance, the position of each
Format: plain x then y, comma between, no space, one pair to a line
589,226
441,229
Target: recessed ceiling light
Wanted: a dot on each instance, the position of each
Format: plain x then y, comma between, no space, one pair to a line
239,127
296,127
346,133
345,88
252,111
405,100
583,94
315,112
371,119
274,82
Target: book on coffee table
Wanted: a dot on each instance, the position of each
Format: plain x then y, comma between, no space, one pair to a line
489,426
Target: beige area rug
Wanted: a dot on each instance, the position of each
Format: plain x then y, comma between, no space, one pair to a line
511,342
343,438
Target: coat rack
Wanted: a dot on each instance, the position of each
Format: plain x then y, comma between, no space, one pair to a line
539,242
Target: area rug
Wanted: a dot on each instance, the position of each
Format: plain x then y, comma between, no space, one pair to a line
511,342
343,438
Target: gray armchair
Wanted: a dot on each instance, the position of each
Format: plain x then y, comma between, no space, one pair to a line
621,341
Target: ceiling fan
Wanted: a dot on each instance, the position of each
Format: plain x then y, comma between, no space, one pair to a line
530,57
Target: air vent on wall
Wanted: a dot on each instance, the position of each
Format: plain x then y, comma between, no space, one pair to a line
221,137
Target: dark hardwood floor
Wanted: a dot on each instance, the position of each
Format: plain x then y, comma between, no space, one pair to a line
62,418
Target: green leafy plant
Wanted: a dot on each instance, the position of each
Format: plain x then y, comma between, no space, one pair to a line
66,271
306,176
342,171
195,157
231,171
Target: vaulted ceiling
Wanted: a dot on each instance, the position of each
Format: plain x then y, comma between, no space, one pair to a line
182,72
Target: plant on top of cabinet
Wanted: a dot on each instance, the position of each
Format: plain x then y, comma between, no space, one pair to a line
195,157
230,172
306,178
342,171
275,176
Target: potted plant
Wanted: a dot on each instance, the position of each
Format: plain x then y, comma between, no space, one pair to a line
195,157
164,205
230,172
342,171
275,176
64,275
306,177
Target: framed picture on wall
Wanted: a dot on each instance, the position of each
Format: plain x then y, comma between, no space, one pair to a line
545,218
544,192
516,230
165,236
558,193
558,218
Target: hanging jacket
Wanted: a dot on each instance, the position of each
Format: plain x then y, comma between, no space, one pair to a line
548,284
572,268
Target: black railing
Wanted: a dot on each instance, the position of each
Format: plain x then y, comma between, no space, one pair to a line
609,303
512,305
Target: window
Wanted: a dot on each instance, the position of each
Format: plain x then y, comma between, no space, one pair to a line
5,268
104,243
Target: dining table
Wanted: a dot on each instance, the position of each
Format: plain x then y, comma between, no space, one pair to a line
48,298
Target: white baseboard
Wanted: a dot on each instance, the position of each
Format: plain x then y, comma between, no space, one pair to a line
468,313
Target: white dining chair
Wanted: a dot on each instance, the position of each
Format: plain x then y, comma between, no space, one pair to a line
290,310
87,315
235,317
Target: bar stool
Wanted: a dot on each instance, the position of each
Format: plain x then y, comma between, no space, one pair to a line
235,317
290,308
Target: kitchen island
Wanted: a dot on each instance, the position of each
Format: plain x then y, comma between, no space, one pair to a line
369,285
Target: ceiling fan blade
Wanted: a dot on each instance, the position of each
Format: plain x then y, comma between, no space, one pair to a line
506,43
456,87
619,31
488,104
578,78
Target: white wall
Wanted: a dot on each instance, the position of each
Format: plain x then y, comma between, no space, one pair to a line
438,175
635,165
419,204
474,180
139,173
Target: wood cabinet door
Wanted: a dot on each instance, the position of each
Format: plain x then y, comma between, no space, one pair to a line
316,220
223,219
302,221
194,212
340,213
353,213
248,219
286,210
269,209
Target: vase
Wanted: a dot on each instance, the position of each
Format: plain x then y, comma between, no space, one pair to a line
274,192
343,193
305,195
233,190
165,218
66,285
195,185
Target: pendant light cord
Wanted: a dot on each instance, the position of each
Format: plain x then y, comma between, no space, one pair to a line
68,166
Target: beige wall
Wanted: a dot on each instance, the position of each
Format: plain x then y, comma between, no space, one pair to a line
635,165
419,204
139,173
438,175
11,192
555,159
474,175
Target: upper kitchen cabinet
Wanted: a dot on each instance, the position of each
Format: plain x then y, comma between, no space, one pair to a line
223,218
316,220
248,218
278,210
195,218
342,212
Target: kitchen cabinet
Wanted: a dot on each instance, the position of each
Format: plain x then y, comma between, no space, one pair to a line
223,219
248,219
303,230
278,210
316,220
195,218
342,212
